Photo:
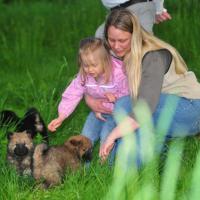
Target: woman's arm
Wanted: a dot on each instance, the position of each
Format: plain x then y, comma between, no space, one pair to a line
127,126
155,65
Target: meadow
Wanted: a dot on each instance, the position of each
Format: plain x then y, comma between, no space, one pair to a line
38,58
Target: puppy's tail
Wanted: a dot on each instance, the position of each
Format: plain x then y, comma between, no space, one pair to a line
38,160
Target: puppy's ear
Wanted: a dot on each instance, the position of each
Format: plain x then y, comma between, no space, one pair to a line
75,142
9,135
29,132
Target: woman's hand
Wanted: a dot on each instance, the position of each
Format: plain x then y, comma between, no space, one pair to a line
105,148
97,104
111,97
54,124
127,126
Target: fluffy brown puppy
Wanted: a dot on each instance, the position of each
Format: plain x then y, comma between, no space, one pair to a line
20,151
50,163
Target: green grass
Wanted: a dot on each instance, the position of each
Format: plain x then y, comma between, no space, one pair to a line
38,48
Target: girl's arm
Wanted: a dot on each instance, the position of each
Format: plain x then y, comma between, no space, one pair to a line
55,123
70,99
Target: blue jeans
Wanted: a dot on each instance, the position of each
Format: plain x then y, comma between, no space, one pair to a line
96,129
174,117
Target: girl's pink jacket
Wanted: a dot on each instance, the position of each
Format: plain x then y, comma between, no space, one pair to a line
118,85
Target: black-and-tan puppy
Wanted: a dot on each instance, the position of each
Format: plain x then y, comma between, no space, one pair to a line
20,142
20,151
31,122
50,164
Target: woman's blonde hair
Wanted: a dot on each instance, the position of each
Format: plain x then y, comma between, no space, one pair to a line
141,42
89,46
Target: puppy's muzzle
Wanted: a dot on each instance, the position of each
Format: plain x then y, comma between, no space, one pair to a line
21,150
87,156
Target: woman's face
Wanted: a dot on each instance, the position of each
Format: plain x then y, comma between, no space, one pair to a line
119,41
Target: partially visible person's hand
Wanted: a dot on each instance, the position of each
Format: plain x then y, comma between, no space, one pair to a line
105,148
97,105
164,16
99,116
54,124
111,97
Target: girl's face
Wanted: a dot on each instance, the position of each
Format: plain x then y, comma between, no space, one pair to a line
119,41
92,64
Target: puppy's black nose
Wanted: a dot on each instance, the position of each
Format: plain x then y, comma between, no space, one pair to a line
21,150
87,155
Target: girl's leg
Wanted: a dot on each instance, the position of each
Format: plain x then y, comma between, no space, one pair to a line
92,127
107,127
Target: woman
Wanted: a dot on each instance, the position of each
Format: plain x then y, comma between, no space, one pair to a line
156,72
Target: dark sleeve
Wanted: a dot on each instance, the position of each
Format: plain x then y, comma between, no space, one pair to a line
154,66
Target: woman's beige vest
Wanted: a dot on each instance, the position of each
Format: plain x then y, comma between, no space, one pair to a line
184,85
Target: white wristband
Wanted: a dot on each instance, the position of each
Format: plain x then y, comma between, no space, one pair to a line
160,12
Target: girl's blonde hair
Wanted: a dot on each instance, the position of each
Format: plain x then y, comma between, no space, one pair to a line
141,42
89,46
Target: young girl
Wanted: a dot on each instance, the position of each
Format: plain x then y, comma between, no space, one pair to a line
100,76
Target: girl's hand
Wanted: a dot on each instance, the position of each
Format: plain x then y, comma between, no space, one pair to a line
54,124
111,97
99,116
105,148
97,104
